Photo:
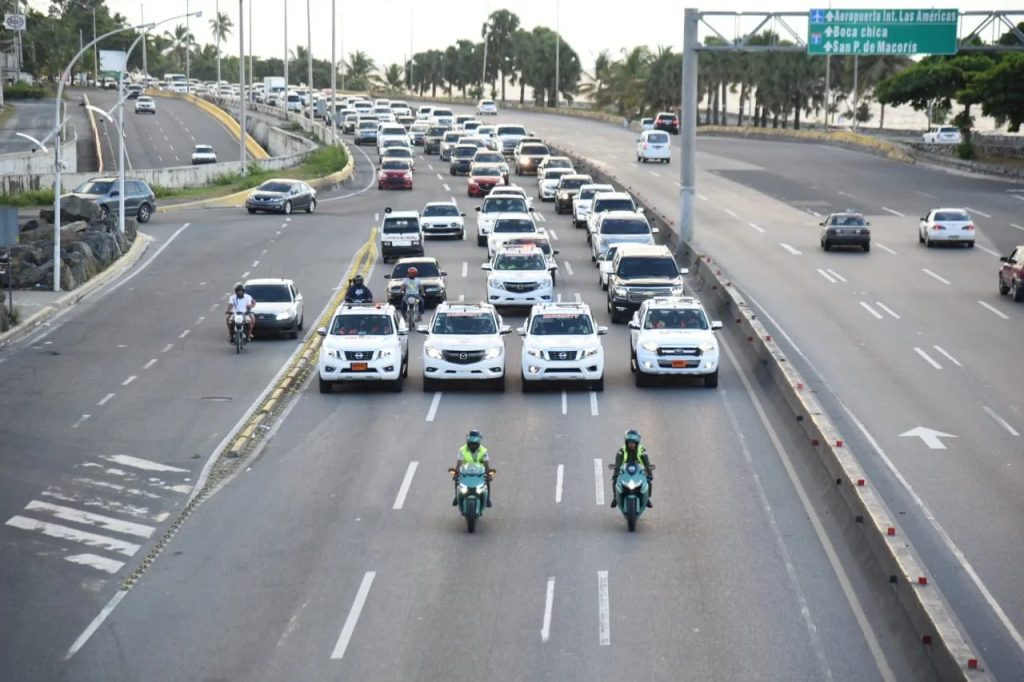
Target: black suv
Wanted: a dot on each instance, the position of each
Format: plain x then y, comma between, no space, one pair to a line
139,200
640,272
667,121
568,188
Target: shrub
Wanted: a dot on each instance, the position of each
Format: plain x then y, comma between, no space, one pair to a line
24,91
32,197
965,150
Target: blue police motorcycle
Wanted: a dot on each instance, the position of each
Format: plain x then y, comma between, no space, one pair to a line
632,490
472,491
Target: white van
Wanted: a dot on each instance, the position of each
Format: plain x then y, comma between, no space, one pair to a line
653,145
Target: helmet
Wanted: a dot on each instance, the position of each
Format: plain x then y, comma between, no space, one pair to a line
240,287
632,436
358,279
474,436
412,272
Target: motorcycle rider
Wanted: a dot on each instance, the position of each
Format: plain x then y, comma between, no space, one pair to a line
473,452
412,289
632,452
240,302
358,292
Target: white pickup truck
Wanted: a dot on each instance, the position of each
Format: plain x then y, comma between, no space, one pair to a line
508,136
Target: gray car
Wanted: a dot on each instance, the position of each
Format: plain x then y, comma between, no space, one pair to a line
282,196
139,200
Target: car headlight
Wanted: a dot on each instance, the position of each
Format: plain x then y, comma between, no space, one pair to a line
563,195
678,291
433,352
649,346
493,353
385,243
535,352
591,352
481,488
495,284
285,315
707,347
619,291
546,282
385,354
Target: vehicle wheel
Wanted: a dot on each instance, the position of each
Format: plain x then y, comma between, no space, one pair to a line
598,386
499,384
462,234
481,240
1003,288
970,245
326,386
251,210
528,386
452,171
617,317
405,367
920,237
632,360
302,323
928,242
826,246
145,213
558,208
293,334
667,161
104,212
396,385
641,379
711,380
1018,290
867,247
312,206
287,208
428,385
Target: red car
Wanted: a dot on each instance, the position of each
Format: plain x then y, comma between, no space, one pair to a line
484,178
1011,274
395,174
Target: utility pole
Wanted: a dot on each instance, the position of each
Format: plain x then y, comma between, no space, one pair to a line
334,78
341,64
286,82
188,54
95,53
558,42
688,130
251,74
145,66
411,24
241,83
309,61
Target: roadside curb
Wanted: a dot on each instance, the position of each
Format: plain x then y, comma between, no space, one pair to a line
251,145
95,133
37,319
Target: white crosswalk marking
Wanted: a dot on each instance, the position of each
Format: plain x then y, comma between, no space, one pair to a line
138,463
56,530
85,518
96,561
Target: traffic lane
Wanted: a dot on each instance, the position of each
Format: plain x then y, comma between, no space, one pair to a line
139,409
33,118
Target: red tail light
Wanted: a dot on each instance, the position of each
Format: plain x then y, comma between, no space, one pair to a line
938,227
968,227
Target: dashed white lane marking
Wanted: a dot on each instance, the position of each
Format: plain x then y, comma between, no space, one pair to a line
56,530
974,210
593,404
887,309
826,276
925,194
987,250
599,481
654,173
846,194
214,306
403,490
568,269
169,346
199,320
106,399
759,229
559,479
540,217
1002,422
143,464
994,310
447,188
702,197
730,213
462,298
245,274
96,561
883,247
948,356
465,269
353,616
871,310
889,210
441,177
836,275
184,333
1019,227
549,600
789,248
431,167
81,420
1017,197
938,277
565,402
577,297
262,253
432,412
149,364
84,518
554,235
927,358
604,628
255,264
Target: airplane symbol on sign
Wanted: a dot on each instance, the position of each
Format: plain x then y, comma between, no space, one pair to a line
817,16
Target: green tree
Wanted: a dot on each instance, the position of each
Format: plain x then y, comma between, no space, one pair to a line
221,26
999,91
181,41
501,38
393,79
360,69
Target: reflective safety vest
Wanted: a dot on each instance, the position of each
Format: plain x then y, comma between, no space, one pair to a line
640,452
469,457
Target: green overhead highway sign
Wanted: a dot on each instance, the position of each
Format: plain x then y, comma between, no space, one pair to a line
882,31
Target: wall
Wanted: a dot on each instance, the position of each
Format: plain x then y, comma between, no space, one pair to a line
22,163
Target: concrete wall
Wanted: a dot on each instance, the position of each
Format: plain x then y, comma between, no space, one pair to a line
22,163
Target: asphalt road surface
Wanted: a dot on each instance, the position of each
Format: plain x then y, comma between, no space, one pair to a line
337,554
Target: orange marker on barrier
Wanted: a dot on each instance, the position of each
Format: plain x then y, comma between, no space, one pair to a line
839,443
922,580
926,639
890,531
860,482
972,663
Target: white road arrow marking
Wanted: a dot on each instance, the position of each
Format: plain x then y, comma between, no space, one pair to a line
931,437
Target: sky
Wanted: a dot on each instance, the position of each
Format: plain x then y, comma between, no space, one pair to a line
385,29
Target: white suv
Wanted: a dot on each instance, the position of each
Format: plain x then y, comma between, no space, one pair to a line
608,201
496,206
464,343
560,343
519,277
672,336
619,227
364,342
582,201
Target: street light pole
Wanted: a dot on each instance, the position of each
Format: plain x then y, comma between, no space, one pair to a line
558,43
241,83
286,82
145,67
188,54
334,77
688,128
309,62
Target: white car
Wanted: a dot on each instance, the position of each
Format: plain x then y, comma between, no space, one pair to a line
555,162
952,225
486,107
399,152
653,145
511,225
442,117
277,306
604,266
464,343
471,126
671,336
537,241
608,201
443,219
942,135
519,277
582,202
145,105
619,227
491,208
366,342
203,153
423,113
547,182
391,131
560,343
511,191
487,134
507,137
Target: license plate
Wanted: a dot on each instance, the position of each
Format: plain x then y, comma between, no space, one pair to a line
400,242
359,366
679,364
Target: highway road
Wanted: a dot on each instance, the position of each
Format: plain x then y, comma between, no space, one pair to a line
163,140
336,553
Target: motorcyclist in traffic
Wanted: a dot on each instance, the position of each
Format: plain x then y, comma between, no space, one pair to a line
473,452
412,289
358,292
632,452
240,302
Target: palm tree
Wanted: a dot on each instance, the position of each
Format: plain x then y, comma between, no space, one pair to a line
181,41
597,87
360,69
664,80
501,39
221,26
627,82
393,79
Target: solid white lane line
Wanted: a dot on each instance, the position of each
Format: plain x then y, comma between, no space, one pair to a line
593,404
549,599
554,235
95,624
927,358
96,561
565,402
81,420
568,268
403,490
604,628
599,481
836,275
884,208
883,247
84,518
1017,226
987,250
149,364
559,479
826,276
887,309
789,248
184,333
730,213
865,306
933,275
999,420
353,616
994,310
143,464
447,188
465,269
759,229
56,530
974,210
925,194
432,412
948,356
129,380
106,399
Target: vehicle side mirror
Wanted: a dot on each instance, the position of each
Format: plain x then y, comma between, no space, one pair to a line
521,331
633,324
505,329
554,252
821,224
716,324
868,223
485,266
531,210
640,209
1004,259
463,215
477,209
444,273
421,328
321,331
601,331
403,331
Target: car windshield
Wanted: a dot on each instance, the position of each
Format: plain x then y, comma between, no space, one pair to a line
948,130
399,152
443,112
452,136
453,322
203,149
613,205
395,164
667,117
587,194
543,244
558,163
658,138
504,205
520,261
487,103
94,187
952,216
486,171
636,267
393,225
464,151
440,210
555,173
489,157
561,324
847,220
511,130
372,324
275,186
367,125
436,131
624,226
423,269
572,183
269,293
675,319
534,150
514,225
